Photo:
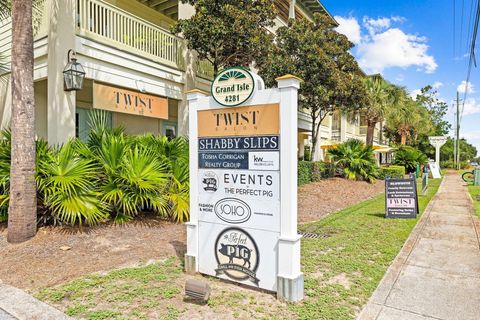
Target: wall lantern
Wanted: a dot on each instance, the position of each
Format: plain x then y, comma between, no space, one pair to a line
73,74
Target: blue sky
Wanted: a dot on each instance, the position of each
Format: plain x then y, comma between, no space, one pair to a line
412,44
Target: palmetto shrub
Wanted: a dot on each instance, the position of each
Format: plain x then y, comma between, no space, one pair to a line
112,175
409,158
355,160
67,186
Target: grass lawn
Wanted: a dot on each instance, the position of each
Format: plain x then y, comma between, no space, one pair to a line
475,192
342,269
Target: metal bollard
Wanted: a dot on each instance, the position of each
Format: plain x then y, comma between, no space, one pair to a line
476,174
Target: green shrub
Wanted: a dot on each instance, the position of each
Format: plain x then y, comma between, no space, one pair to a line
305,169
355,160
68,187
409,158
319,171
111,175
450,165
395,172
307,153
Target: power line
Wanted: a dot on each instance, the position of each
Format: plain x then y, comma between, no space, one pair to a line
469,30
461,28
472,61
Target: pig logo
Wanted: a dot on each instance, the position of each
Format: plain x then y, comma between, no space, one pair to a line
237,255
210,181
236,251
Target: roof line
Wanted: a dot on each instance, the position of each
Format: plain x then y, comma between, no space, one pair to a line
328,13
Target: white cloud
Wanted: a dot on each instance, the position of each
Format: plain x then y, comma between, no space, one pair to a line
471,106
394,48
414,93
398,19
382,45
472,137
462,87
350,28
376,25
437,85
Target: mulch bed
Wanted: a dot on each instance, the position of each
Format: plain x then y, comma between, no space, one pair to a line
318,199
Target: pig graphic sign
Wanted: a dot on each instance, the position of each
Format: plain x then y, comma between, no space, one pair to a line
237,255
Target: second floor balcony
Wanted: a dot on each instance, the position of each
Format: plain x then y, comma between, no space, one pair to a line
103,22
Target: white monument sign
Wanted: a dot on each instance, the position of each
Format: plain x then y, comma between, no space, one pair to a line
243,183
437,142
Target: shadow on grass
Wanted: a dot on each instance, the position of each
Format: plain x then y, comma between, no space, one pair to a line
377,214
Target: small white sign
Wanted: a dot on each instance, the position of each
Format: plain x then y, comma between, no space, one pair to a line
437,141
435,170
264,160
255,214
246,184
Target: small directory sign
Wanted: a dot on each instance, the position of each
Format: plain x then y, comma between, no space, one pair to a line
401,200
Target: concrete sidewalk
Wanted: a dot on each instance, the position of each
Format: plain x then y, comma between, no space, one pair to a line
15,304
436,275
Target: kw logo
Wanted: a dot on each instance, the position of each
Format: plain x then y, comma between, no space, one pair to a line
257,159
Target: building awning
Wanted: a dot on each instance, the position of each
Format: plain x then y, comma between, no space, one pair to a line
328,144
384,149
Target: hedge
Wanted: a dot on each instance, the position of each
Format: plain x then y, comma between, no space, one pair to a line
313,171
396,172
305,170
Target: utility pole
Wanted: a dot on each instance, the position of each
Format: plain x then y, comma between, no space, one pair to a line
454,140
457,134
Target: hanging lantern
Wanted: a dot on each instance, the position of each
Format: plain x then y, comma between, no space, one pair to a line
73,74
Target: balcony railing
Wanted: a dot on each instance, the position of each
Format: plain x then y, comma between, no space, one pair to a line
336,135
106,23
205,69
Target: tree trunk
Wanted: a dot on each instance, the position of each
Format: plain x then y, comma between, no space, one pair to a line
22,211
403,139
370,132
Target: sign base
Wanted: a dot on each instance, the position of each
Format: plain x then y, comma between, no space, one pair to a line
190,264
290,289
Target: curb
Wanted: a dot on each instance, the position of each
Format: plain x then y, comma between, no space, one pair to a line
17,304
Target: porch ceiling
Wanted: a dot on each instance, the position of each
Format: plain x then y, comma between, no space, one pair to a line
166,7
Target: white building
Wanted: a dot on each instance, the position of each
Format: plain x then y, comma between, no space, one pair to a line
130,58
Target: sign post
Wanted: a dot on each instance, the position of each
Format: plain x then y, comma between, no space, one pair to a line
243,178
437,142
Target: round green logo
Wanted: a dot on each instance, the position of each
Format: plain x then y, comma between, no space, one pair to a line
233,86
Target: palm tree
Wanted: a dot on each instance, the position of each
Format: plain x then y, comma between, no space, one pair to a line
22,211
409,119
380,96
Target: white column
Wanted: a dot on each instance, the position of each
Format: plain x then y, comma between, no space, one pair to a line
191,260
186,11
61,38
290,278
343,126
291,11
437,155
